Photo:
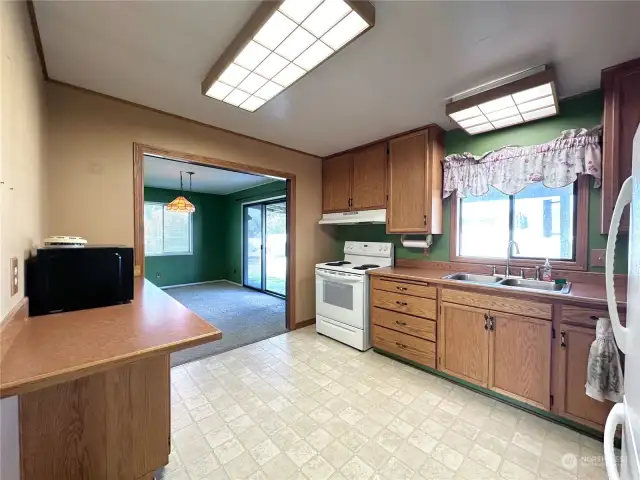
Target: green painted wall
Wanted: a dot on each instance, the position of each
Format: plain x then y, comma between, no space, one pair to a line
583,111
208,261
233,205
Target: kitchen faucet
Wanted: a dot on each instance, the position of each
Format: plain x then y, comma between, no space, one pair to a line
514,243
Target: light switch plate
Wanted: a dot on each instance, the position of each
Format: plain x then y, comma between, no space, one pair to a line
598,257
14,275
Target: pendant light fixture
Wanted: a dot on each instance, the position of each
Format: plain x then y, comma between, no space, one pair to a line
181,204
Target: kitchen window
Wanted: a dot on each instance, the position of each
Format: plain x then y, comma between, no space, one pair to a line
165,232
544,222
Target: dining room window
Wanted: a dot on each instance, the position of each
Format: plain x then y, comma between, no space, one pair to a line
165,232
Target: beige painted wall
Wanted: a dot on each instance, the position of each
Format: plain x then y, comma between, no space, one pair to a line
22,123
90,181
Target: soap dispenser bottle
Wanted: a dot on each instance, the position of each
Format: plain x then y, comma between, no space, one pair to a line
546,271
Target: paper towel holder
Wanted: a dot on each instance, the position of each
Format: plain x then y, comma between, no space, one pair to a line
423,243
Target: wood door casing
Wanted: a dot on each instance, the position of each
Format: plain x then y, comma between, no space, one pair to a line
571,376
369,185
463,343
520,358
336,183
407,205
621,120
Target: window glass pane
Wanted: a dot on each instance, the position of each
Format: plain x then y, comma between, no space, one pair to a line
543,221
484,225
152,228
177,232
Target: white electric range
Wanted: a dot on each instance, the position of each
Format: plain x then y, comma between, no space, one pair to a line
342,292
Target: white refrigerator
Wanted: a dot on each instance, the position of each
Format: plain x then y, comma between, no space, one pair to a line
627,413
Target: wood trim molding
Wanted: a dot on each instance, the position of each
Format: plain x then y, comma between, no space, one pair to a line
305,323
581,238
139,150
36,38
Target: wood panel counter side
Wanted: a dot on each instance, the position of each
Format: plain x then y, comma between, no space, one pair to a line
53,349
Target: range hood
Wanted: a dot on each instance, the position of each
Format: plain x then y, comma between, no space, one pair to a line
351,218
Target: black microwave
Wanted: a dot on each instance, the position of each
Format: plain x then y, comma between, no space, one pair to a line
62,279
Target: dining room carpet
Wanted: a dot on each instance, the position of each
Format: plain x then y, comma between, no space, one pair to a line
243,315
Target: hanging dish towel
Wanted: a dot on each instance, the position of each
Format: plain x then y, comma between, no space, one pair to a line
604,373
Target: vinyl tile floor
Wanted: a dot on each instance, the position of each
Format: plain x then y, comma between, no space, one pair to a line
302,406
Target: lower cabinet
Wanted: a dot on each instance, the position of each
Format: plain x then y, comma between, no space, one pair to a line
571,376
509,354
463,343
520,358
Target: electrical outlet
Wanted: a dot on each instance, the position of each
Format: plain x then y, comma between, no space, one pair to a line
14,275
598,257
157,274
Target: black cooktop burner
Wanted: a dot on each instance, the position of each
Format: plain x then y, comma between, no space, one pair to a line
337,264
366,266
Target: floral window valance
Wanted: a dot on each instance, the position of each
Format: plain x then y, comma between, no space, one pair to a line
510,169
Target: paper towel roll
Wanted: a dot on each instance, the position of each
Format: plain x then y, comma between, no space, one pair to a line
415,243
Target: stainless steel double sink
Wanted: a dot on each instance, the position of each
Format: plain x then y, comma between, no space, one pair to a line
510,282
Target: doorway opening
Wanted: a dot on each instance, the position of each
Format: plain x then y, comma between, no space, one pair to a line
217,261
264,265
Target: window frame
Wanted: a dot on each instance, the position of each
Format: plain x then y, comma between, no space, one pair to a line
581,236
163,253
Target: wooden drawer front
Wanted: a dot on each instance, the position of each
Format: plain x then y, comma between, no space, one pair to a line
499,304
582,316
421,307
406,346
418,327
408,288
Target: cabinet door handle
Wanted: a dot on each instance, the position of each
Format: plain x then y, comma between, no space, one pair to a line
402,324
486,321
401,345
404,289
563,339
492,325
402,304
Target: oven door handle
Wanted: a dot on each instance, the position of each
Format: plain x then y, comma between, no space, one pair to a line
340,278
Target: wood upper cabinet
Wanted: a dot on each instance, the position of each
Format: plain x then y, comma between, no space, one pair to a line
415,182
520,358
355,181
336,184
463,343
621,86
369,188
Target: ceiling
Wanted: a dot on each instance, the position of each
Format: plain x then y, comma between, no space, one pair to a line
394,78
163,173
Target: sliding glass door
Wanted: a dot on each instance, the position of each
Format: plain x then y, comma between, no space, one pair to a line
265,246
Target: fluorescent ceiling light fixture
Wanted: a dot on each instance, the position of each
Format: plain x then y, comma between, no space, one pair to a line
282,42
522,97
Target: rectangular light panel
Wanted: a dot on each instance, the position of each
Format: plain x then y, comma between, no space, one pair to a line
500,111
292,41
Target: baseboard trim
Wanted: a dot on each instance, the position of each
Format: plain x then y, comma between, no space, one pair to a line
305,323
190,284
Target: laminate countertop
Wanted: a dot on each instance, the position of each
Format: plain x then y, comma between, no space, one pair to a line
580,294
50,349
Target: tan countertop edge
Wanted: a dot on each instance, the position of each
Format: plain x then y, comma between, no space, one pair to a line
580,293
38,352
41,381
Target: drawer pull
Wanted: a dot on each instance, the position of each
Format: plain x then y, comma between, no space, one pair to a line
402,304
401,345
404,289
402,324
